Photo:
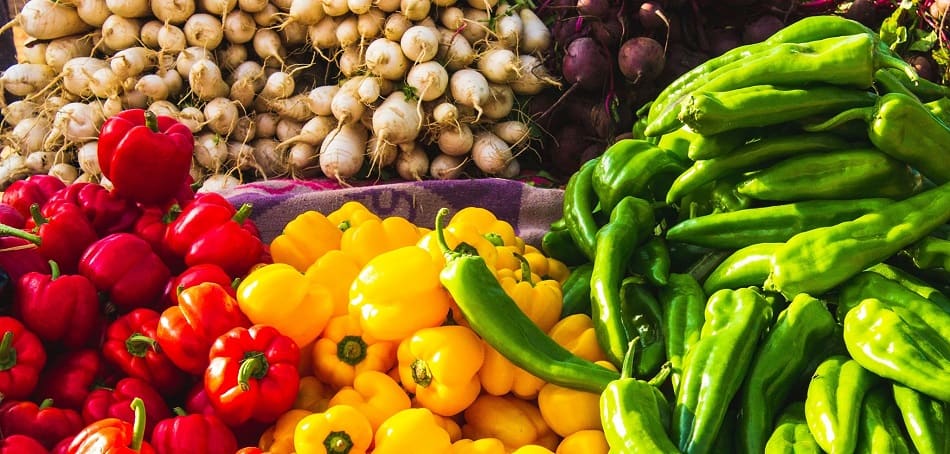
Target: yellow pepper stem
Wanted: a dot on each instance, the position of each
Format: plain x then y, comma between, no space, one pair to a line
338,442
254,365
351,350
525,269
420,373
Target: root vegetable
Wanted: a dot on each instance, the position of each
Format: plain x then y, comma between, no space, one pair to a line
445,114
240,155
454,50
641,59
470,88
335,8
508,27
388,6
245,130
218,183
153,86
350,61
243,92
164,107
293,35
428,80
17,111
251,71
87,156
491,154
268,46
192,117
342,152
320,98
313,131
278,85
499,65
222,116
104,83
61,50
67,173
287,129
231,56
120,32
513,169
322,35
149,33
134,99
266,124
345,105
77,122
211,151
485,5
172,39
93,12
359,7
384,58
456,141
41,161
77,75
205,80
132,62
381,154
513,132
446,167
396,120
420,43
13,168
396,25
535,35
269,161
24,79
415,10
33,51
307,12
585,63
204,30
28,135
269,16
452,18
87,178
500,103
368,90
252,6
111,106
370,24
129,8
174,12
295,107
412,163
303,161
239,27
476,28
535,77
347,31
217,7
46,19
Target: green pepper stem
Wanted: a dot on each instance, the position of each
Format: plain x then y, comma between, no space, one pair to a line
37,215
440,232
46,403
7,352
661,376
254,365
18,233
494,238
858,113
421,373
54,269
151,121
884,60
236,282
138,425
626,368
178,411
351,350
338,442
525,269
138,345
242,213
171,214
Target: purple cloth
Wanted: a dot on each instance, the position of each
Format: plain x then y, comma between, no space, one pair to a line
529,209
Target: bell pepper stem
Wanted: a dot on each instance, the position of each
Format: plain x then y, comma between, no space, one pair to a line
179,411
626,368
151,121
138,345
46,403
661,376
254,365
37,215
858,113
440,232
15,232
494,238
351,350
525,269
338,442
7,352
420,373
242,213
54,270
138,425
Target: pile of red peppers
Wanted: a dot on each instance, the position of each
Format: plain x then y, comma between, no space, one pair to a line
118,319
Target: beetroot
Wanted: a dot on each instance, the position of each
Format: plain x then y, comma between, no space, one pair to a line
593,8
761,28
723,39
641,59
586,64
652,17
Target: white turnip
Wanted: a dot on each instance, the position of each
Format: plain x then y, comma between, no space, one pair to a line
490,154
132,62
456,141
384,58
16,111
396,25
396,120
470,88
230,56
24,79
222,116
412,163
415,10
447,167
342,153
61,50
121,32
347,31
268,46
77,75
148,34
535,77
420,43
164,107
192,117
93,12
370,24
171,39
535,36
428,80
500,102
303,161
87,156
211,151
47,19
204,30
245,130
174,12
320,98
454,50
66,172
499,65
217,7
239,27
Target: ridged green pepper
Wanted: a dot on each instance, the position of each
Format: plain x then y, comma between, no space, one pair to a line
718,196
558,244
912,283
868,284
940,108
798,336
579,203
635,414
643,320
769,224
631,167
575,291
745,267
925,418
817,260
715,366
930,252
679,142
683,304
652,261
880,430
895,342
923,89
631,221
833,402
724,143
791,434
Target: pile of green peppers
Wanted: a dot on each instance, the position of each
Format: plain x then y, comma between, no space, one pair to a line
767,260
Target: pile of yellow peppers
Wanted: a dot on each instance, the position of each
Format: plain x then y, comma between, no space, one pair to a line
389,364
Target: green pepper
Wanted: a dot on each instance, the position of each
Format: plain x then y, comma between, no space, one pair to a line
930,252
715,366
791,434
558,244
629,168
745,267
679,142
579,203
716,145
880,429
817,260
833,402
798,336
643,321
905,129
652,261
575,291
714,112
940,108
494,316
683,303
868,284
769,224
635,414
912,283
925,419
923,89
718,196
896,342
631,221
840,174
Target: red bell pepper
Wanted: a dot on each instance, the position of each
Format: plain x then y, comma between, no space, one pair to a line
19,257
36,189
198,402
70,378
194,275
22,357
193,433
151,227
21,444
146,157
10,216
131,346
210,230
62,309
252,374
45,423
62,233
105,403
107,212
249,450
124,267
115,435
187,330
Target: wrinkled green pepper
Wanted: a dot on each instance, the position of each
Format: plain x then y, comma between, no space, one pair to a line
679,142
923,89
930,252
643,319
745,267
714,367
575,291
652,261
683,303
718,196
558,244
791,434
912,283
833,402
724,143
579,203
925,418
635,414
880,429
632,167
869,284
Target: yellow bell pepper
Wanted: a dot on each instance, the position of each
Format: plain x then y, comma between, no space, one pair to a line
344,351
544,266
455,237
340,429
540,300
591,441
336,271
440,367
398,293
304,240
532,449
487,224
375,395
500,376
373,237
481,446
351,214
280,296
451,427
312,394
508,257
568,410
516,422
279,438
410,431
576,334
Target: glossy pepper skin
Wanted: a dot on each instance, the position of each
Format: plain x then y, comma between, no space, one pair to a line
683,303
195,275
58,309
252,374
749,266
44,423
131,344
833,402
724,143
796,339
633,167
816,260
642,319
509,420
340,429
930,252
35,189
195,433
124,267
372,237
558,244
575,291
715,366
22,357
18,257
924,418
114,435
279,296
912,283
106,211
791,434
15,444
70,377
880,428
279,437
343,352
635,414
146,157
652,261
439,365
540,299
869,284
305,239
105,403
413,429
375,394
630,223
151,227
579,202
62,233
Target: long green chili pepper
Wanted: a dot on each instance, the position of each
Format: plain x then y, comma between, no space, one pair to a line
927,420
683,303
880,429
579,203
749,266
631,221
930,252
643,320
833,402
652,261
940,108
631,167
500,322
715,145
887,81
924,89
798,336
719,196
817,260
634,413
576,291
679,142
559,244
912,283
715,366
869,284
791,434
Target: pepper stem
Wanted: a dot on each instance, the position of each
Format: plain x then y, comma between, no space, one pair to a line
254,365
494,238
440,232
54,269
138,425
7,352
525,269
151,121
138,345
242,213
46,403
37,215
22,234
858,113
626,368
179,411
338,442
660,376
421,373
883,60
351,350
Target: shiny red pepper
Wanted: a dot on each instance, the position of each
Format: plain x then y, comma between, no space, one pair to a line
21,444
210,230
107,212
194,275
62,233
194,434
197,402
252,374
22,357
60,309
124,267
70,378
36,189
116,435
146,157
19,257
10,216
187,330
131,345
45,423
105,403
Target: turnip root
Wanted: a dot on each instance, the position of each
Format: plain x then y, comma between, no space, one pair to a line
111,106
230,56
75,122
132,62
295,107
131,9
359,7
41,161
93,12
269,161
204,30
445,114
396,25
87,178
217,7
345,105
535,35
77,75
513,169
17,111
287,129
476,28
164,107
46,19
211,151
252,6
335,8
268,46
342,153
313,132
278,85
148,35
447,167
396,120
205,81
87,156
470,88
452,18
499,65
67,173
239,27
240,155
153,86
134,99
33,51
368,90
420,43
388,6
415,10
490,154
347,31
455,51
350,61
192,117
175,12
61,50
534,77
320,98
428,80
322,35
266,124
171,39
381,154
508,26
245,130
500,103
412,163
513,132
105,83
303,161
30,134
384,58
120,32
484,5
269,16
293,35
251,71
306,12
222,116
370,24
13,167
456,141
218,183
24,79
